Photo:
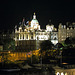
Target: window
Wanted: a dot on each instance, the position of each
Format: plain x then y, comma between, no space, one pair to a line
20,36
65,73
17,37
58,73
62,73
23,36
37,38
20,30
31,37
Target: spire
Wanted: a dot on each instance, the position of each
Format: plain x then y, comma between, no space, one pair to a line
34,16
23,19
34,13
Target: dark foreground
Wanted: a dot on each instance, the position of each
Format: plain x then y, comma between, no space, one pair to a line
25,72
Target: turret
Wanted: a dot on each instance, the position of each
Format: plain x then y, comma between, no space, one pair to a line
64,26
71,28
67,28
16,28
34,16
60,25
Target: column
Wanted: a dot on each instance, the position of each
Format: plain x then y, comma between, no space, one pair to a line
34,36
22,36
19,36
28,36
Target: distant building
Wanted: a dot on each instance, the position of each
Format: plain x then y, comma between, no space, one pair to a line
65,32
7,35
28,37
1,47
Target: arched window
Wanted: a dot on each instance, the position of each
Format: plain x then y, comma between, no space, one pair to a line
37,38
31,37
57,73
65,73
62,73
23,36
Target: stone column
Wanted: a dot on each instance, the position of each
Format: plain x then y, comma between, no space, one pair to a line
22,36
19,36
28,36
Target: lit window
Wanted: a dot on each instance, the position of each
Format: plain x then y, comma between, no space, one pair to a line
20,30
65,73
58,73
62,73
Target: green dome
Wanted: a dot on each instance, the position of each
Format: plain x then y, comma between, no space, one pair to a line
34,21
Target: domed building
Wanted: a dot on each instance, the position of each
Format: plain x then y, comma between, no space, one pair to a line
28,37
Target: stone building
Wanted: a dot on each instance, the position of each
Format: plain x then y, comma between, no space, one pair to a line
28,37
65,31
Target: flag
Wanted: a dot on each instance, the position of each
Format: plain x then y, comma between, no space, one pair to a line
27,22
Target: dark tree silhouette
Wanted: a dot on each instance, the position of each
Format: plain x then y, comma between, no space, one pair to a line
46,45
68,40
59,45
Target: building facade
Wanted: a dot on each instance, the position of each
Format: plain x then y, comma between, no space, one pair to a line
65,31
28,37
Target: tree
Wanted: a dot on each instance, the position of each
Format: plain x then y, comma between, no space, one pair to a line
33,59
5,57
46,45
46,50
9,44
59,45
70,42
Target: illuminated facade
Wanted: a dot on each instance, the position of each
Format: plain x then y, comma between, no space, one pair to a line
28,37
65,31
62,71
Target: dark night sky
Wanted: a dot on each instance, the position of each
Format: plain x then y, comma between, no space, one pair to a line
12,12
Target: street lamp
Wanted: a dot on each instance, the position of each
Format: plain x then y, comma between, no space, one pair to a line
8,51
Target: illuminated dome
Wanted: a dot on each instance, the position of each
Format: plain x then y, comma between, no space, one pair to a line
34,22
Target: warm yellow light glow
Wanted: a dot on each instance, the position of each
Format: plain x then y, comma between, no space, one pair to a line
34,13
62,73
8,51
57,73
66,74
64,63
